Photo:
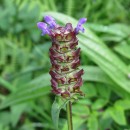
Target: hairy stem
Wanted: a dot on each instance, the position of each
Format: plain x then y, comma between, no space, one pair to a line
69,115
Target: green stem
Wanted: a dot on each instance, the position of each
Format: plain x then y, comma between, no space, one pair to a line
69,115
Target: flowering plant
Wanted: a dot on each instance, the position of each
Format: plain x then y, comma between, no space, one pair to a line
64,55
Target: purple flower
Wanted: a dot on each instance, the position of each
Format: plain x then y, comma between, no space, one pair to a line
79,25
43,26
51,21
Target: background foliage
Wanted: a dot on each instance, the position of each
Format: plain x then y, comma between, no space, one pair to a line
25,98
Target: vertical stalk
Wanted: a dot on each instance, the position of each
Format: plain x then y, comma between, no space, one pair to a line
69,115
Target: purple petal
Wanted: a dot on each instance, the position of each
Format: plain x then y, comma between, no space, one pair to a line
43,26
80,28
51,21
82,21
79,25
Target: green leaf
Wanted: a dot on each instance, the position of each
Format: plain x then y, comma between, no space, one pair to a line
123,49
118,115
77,122
89,89
92,122
124,104
36,88
16,112
99,103
57,105
114,29
80,110
95,74
105,120
6,84
103,90
109,38
5,118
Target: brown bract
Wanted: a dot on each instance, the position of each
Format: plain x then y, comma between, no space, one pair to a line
64,55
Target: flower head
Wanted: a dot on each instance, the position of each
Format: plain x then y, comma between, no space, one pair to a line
66,78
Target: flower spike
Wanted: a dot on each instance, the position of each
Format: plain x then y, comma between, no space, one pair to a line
66,77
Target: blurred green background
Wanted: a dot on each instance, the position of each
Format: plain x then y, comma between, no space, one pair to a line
25,97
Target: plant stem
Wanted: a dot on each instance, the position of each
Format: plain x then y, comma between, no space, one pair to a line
69,115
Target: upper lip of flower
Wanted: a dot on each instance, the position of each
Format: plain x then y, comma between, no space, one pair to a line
79,25
43,27
51,21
